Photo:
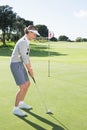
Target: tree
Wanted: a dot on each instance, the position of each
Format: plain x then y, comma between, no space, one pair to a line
63,38
18,27
53,39
27,23
78,39
43,30
7,18
84,39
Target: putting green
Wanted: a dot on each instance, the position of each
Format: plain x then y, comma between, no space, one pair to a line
65,91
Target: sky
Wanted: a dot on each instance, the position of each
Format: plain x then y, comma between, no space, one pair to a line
62,17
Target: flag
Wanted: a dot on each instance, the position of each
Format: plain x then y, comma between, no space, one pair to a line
50,34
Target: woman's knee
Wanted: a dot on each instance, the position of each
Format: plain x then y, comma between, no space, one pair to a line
27,83
25,86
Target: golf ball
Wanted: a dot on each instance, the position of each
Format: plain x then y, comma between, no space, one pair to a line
49,110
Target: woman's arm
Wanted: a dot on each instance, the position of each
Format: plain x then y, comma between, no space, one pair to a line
30,70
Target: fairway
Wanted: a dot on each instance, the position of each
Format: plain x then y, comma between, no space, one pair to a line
64,92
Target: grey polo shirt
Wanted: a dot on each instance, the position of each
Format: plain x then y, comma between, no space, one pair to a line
21,51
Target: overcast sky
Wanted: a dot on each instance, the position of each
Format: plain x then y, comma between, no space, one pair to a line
63,17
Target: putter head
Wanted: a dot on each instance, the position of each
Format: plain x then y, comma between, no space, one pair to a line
49,112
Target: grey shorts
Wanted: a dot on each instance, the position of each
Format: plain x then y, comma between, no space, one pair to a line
19,73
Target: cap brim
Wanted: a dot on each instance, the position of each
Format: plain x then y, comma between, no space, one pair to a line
35,31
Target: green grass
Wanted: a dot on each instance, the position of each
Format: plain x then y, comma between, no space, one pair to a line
65,91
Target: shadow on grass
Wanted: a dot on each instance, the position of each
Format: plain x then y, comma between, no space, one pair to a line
6,50
59,121
42,51
34,125
36,51
38,127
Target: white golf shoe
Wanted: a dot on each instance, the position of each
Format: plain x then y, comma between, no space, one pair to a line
22,105
18,112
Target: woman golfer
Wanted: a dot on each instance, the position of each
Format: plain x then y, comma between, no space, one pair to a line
20,67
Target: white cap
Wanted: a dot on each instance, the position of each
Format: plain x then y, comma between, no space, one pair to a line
34,31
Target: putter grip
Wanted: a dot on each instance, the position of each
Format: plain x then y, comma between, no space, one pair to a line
34,79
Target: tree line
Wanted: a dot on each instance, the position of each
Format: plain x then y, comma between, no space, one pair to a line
12,27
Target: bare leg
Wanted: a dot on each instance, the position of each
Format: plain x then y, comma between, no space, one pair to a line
22,93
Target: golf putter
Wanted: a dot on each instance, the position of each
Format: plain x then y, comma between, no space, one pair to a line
48,111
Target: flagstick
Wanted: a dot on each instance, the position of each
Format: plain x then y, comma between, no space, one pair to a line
50,35
48,59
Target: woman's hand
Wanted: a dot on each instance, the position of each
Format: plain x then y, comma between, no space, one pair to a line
30,71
